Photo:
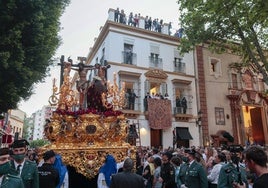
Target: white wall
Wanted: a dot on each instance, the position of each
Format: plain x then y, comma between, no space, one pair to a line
114,45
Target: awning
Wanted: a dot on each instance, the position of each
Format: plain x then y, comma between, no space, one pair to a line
183,134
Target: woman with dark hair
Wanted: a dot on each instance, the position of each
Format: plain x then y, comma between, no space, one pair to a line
213,177
148,172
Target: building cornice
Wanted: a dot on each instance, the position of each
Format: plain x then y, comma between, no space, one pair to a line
130,31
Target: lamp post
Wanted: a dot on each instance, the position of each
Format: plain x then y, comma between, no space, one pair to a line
199,124
199,119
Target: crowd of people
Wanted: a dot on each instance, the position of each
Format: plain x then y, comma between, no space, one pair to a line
133,20
195,167
210,167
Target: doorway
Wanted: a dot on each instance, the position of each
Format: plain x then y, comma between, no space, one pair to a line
253,124
156,138
182,137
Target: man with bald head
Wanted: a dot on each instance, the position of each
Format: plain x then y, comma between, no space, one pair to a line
127,178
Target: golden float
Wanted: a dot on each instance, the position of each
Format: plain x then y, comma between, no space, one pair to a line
83,137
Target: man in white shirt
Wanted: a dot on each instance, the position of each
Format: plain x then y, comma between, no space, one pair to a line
213,177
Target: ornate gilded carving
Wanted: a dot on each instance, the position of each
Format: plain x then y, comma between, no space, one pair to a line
156,73
117,96
84,137
87,161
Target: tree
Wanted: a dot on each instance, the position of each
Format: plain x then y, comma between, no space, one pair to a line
38,143
237,25
29,39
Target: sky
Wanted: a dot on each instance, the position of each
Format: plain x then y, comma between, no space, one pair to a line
80,24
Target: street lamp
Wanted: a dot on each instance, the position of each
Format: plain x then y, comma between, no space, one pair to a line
199,119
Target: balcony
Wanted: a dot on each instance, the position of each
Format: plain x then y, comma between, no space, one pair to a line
129,58
155,62
182,114
133,114
132,110
179,67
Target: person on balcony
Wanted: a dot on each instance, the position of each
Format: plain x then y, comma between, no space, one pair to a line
166,96
129,55
132,98
148,96
184,105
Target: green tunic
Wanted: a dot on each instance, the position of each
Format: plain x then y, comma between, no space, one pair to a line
229,174
196,176
11,181
29,174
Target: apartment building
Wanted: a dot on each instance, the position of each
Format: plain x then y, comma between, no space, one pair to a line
39,121
147,62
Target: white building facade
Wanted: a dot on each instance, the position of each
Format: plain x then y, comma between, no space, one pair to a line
148,62
15,121
39,120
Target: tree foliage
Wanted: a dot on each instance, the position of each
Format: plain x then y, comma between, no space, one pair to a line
29,39
38,143
240,25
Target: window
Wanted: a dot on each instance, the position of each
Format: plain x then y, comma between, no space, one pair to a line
179,66
155,61
132,92
156,88
215,67
219,116
247,80
154,58
180,100
128,54
261,85
234,81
